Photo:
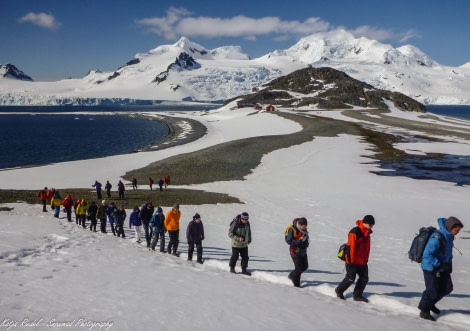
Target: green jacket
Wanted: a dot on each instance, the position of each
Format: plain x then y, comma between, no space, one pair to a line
238,229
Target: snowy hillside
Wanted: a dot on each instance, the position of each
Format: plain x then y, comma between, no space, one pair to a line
186,71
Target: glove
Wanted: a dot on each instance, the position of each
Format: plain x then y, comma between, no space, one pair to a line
446,267
304,237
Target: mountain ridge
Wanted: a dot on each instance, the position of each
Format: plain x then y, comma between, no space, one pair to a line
187,71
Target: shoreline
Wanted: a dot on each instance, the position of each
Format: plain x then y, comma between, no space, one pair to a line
178,131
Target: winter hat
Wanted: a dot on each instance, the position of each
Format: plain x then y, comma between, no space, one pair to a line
159,209
368,219
245,216
452,222
196,216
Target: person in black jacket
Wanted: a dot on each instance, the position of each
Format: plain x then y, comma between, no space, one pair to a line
146,213
195,236
119,218
91,215
101,215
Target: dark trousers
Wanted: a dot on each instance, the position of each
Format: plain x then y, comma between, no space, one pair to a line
108,192
198,249
437,287
44,205
93,224
113,228
69,215
82,221
351,271
121,194
155,237
98,194
243,253
103,225
148,232
300,265
120,230
174,241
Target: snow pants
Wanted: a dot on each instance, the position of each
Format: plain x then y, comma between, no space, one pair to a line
103,225
351,271
174,241
438,285
148,232
69,215
243,253
137,230
300,264
155,237
198,249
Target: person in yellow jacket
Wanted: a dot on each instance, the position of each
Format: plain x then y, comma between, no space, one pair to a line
81,212
55,203
172,224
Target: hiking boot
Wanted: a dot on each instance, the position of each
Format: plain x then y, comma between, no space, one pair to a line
200,261
435,310
232,270
360,298
245,272
290,277
426,316
339,294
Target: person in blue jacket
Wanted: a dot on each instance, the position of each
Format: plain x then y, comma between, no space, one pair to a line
157,223
134,220
437,266
110,214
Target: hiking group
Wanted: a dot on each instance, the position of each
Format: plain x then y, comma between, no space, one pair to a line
432,247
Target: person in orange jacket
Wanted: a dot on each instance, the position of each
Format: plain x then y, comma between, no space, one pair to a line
43,197
172,224
356,258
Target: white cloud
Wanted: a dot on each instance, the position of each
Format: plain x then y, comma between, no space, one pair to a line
383,34
178,23
41,19
372,33
409,35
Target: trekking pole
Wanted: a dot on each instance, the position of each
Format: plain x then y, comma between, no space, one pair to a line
458,250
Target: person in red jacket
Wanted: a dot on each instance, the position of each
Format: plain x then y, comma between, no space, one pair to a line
67,203
357,255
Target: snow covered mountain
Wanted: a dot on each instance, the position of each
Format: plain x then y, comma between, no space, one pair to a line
9,70
186,71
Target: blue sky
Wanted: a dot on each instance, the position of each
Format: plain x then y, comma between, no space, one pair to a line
53,39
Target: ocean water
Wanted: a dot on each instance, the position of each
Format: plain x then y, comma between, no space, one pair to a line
454,111
443,167
36,139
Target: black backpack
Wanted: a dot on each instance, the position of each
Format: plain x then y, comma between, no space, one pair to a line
415,254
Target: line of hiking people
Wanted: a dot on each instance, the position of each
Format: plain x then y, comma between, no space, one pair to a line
435,255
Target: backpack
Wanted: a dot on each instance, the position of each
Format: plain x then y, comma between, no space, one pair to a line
290,226
415,254
342,252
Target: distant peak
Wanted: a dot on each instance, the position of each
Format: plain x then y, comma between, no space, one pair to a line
9,70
